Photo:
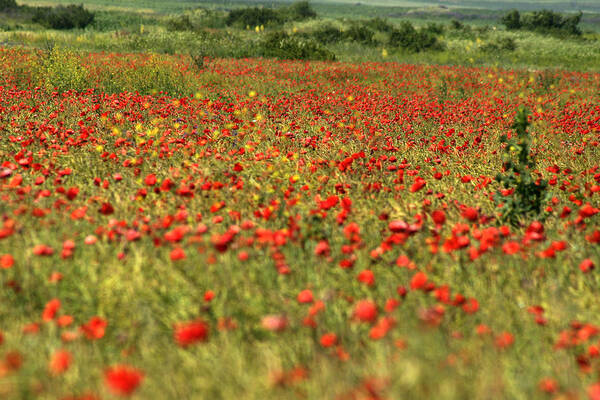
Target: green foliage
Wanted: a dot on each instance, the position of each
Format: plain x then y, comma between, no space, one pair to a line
378,24
8,4
105,21
328,34
360,34
500,44
544,21
512,20
300,11
196,20
435,29
63,17
408,38
283,46
524,195
180,23
257,16
456,24
254,16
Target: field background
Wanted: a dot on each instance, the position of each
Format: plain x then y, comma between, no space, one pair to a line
140,26
331,224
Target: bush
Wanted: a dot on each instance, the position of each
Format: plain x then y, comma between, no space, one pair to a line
433,28
523,195
360,34
328,34
8,5
300,11
378,24
63,17
544,21
501,44
410,39
253,17
196,20
456,25
180,23
256,16
512,20
281,45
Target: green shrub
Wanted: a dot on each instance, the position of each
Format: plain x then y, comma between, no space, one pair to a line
523,195
283,46
360,34
256,16
500,44
105,21
512,20
8,4
379,25
544,21
197,20
63,17
180,23
457,25
299,11
328,34
410,39
433,28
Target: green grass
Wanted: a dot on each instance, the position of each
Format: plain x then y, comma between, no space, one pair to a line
533,50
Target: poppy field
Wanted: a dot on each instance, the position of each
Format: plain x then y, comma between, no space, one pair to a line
297,230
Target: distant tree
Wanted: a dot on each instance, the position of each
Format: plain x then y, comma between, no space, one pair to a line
406,36
544,21
63,17
411,39
570,24
253,17
512,20
456,24
301,10
8,4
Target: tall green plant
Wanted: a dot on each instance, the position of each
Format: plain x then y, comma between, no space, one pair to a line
523,195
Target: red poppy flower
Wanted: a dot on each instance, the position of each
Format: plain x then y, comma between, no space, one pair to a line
305,296
365,311
367,277
60,362
123,380
586,265
418,281
6,261
50,310
95,328
188,333
329,339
